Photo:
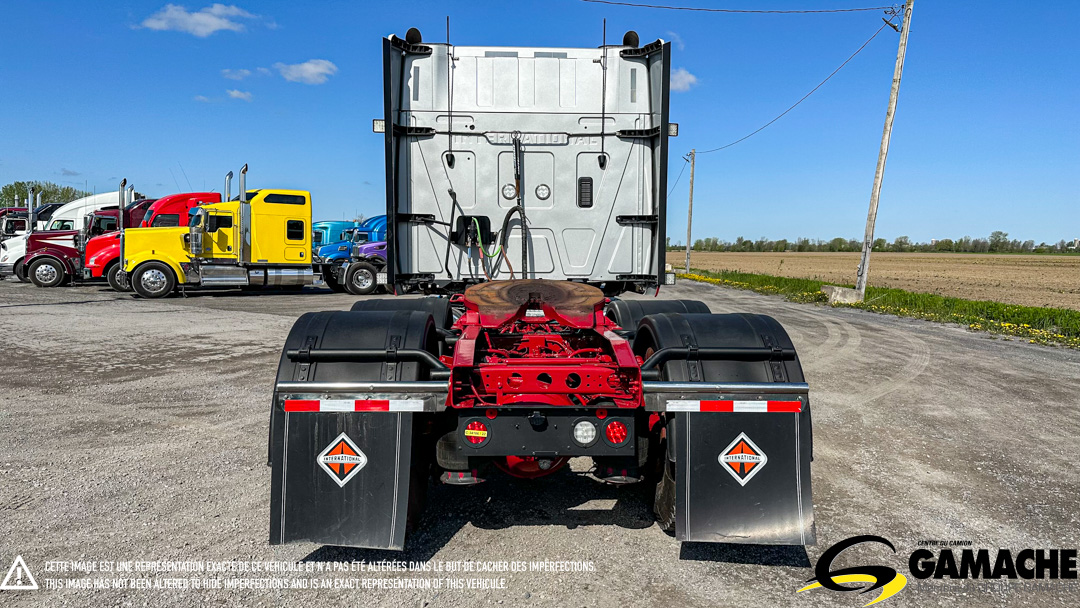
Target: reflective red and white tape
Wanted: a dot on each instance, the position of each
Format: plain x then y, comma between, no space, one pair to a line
779,407
354,405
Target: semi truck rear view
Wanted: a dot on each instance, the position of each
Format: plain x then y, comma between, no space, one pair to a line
526,189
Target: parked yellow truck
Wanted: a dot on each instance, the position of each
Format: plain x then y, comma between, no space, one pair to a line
262,238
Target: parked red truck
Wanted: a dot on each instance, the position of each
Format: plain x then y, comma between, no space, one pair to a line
101,253
55,256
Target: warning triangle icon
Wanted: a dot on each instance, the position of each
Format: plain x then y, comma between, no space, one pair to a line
19,578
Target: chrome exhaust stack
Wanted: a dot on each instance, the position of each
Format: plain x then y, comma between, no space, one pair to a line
120,224
228,187
243,234
30,215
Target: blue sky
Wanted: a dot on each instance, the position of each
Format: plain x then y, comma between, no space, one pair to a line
987,133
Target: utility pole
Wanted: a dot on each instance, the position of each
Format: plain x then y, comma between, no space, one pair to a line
875,195
690,209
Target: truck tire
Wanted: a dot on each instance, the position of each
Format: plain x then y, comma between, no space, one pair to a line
153,280
113,276
657,331
20,272
332,282
664,500
47,272
360,279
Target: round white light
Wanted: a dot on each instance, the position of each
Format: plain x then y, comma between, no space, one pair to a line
509,191
584,432
543,192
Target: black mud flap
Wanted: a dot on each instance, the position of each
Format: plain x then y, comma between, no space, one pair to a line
351,478
743,478
342,479
740,476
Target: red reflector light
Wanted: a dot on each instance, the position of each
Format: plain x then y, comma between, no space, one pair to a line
615,432
601,413
491,413
476,432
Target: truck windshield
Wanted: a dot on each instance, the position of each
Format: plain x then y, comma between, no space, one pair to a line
359,237
165,220
316,238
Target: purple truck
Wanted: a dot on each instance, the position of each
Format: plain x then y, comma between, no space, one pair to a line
366,268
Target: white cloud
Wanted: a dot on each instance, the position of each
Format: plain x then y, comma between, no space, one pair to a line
235,94
314,71
682,80
236,74
202,99
263,71
677,40
201,23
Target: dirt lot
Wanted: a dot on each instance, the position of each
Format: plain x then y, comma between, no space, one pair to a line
1030,280
128,433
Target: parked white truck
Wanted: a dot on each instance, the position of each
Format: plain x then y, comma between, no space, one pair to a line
70,216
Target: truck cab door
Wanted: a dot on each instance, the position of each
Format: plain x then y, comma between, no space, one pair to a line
219,241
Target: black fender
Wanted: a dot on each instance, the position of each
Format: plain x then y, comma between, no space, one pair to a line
773,505
438,307
629,313
373,507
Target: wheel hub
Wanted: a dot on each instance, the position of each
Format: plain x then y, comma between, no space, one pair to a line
46,273
153,280
363,279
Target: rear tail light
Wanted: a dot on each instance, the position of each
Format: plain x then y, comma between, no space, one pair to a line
476,432
615,432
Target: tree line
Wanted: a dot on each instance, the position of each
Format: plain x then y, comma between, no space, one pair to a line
14,194
997,242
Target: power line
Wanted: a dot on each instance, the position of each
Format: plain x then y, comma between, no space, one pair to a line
804,97
685,162
735,10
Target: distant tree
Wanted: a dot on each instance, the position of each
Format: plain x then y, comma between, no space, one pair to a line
902,243
699,245
880,245
837,244
998,241
781,245
50,192
944,245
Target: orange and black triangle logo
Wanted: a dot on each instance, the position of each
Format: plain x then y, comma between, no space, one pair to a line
342,459
742,459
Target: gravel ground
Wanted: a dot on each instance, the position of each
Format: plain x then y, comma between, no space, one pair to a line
128,433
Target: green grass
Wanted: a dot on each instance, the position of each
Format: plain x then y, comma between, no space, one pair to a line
1037,325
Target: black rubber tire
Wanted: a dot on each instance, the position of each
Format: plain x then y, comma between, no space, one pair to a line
47,272
354,279
20,272
664,500
112,275
156,286
332,282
